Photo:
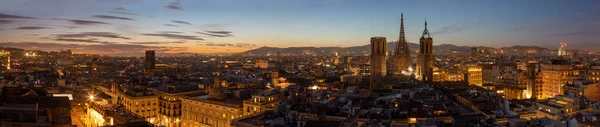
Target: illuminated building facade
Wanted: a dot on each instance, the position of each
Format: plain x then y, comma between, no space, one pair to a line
514,92
447,76
142,104
262,64
593,73
556,107
425,63
583,88
215,109
99,115
474,73
145,106
261,102
554,76
170,106
200,112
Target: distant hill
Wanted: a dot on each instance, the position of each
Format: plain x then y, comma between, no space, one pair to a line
443,48
364,49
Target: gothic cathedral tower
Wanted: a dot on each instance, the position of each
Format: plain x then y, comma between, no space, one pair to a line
402,52
377,59
425,62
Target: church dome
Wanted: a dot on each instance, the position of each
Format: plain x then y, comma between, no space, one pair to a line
217,91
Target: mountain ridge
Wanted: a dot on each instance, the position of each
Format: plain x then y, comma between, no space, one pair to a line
442,48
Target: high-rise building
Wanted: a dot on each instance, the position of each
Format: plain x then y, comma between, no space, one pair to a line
425,63
377,58
149,62
402,52
554,76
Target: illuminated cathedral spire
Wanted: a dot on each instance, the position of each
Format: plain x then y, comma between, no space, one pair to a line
402,37
402,60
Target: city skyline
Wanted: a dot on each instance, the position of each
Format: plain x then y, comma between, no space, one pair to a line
117,27
299,63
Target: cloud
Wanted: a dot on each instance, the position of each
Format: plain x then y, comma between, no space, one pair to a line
446,30
216,33
91,40
85,22
239,45
174,5
171,25
220,44
92,34
111,17
82,22
217,26
244,45
119,8
32,28
8,16
124,13
55,26
109,48
173,42
181,22
174,36
171,32
6,21
220,32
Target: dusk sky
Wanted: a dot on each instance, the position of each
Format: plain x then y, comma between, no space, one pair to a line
209,26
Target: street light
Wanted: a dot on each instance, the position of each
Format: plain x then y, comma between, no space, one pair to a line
91,97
